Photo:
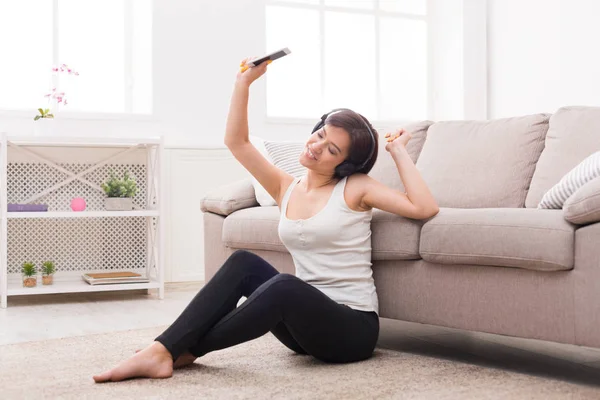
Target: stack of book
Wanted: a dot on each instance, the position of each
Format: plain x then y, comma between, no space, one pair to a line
105,278
27,207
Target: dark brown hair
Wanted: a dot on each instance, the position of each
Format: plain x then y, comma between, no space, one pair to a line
360,138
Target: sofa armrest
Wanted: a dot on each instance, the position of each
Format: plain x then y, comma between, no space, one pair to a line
586,286
229,198
583,207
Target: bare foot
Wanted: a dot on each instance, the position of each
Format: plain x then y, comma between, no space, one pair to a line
154,361
186,358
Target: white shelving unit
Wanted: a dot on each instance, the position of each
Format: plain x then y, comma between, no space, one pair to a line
52,171
84,214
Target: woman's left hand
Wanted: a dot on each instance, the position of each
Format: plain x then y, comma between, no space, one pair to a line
397,140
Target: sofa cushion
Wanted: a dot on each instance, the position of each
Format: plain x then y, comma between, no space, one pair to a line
587,170
229,198
572,136
253,229
285,156
515,237
385,170
482,164
584,206
393,237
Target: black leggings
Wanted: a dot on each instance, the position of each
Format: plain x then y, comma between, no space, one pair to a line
299,315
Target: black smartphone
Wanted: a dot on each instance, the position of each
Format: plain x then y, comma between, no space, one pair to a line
273,56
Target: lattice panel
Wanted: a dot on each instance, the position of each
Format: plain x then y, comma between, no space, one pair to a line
28,179
78,244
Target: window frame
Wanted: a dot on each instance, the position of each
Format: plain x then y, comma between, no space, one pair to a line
126,115
378,13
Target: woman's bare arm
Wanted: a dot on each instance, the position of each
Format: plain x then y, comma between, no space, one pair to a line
273,179
417,202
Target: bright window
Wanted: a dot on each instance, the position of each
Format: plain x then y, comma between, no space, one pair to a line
108,43
368,55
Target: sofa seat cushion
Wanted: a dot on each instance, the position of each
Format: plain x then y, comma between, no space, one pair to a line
505,237
253,229
393,237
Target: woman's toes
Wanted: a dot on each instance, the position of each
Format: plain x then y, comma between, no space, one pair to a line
103,377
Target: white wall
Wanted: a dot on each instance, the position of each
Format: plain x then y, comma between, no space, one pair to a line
191,176
446,32
457,59
197,50
543,54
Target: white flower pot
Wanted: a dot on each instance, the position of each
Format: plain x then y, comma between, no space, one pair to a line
118,203
44,127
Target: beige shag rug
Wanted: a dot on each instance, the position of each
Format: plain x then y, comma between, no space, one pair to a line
261,369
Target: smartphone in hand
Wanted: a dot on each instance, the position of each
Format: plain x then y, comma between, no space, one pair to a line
273,56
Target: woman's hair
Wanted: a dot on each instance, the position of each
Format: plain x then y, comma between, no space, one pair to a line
360,138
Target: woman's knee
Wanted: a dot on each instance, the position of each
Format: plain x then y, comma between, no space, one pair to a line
240,259
244,263
284,280
240,255
278,288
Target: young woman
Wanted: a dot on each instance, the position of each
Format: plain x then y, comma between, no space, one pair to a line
329,309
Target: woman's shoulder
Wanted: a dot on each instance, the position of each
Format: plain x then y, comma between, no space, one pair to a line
354,191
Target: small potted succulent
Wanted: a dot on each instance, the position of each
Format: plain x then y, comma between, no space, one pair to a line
29,274
44,113
48,270
45,122
120,192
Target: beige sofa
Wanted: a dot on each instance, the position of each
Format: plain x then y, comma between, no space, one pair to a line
490,261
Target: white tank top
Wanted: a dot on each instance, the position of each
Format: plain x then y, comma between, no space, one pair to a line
332,250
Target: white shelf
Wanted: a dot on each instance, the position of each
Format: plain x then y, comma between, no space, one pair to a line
56,169
72,285
82,214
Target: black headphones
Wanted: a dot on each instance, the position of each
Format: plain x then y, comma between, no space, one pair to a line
348,167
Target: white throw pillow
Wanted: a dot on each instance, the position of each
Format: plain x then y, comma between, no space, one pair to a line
587,170
262,196
284,155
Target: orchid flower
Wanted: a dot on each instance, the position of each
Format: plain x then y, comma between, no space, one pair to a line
54,95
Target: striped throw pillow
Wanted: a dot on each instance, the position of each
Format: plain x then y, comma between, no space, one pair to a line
284,155
587,170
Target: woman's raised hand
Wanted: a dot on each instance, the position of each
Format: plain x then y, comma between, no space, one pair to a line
397,139
247,74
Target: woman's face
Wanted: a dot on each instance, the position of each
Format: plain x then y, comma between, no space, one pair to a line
325,149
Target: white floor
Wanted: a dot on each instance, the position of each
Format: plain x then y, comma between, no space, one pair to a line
34,318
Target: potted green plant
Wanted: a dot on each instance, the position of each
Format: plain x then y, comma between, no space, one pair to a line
29,274
45,122
120,192
44,113
48,270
